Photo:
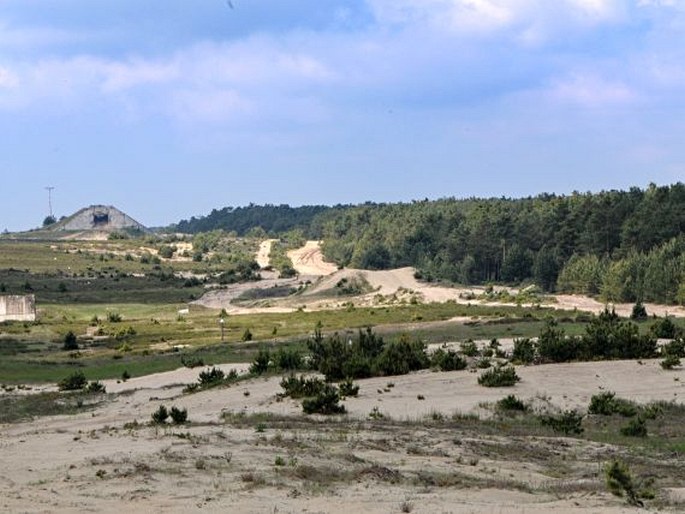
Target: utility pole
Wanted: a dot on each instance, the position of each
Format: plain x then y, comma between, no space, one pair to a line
50,188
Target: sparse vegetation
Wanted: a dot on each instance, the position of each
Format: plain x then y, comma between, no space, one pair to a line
160,416
324,402
500,376
73,382
511,403
606,404
569,422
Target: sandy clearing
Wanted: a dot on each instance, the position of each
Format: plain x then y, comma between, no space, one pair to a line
583,303
264,252
308,260
309,263
95,463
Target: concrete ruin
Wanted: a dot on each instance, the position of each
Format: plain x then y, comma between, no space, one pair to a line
104,218
17,308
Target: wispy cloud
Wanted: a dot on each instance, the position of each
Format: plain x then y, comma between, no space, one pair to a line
592,91
528,20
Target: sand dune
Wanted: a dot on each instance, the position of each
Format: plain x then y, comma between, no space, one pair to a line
102,461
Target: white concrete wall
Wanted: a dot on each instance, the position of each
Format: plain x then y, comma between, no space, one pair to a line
18,308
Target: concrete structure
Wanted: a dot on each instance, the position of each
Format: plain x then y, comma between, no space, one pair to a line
18,308
98,217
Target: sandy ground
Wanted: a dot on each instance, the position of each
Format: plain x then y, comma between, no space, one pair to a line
263,253
308,260
97,464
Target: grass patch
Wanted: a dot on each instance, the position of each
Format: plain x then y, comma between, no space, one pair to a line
15,408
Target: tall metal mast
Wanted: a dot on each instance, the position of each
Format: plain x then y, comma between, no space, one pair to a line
50,188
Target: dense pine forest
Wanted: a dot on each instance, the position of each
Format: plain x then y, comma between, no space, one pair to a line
621,245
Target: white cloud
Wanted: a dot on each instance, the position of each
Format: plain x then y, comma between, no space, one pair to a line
591,91
8,79
532,20
118,76
208,105
205,83
32,37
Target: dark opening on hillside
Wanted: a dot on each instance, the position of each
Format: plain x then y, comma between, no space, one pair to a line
100,219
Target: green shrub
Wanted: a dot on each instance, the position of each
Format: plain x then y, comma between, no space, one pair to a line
192,361
675,348
211,377
469,348
348,388
325,402
483,363
95,387
70,342
511,403
620,481
499,377
178,416
160,416
639,312
447,360
568,422
636,427
167,252
114,317
606,404
247,335
301,387
664,329
608,337
261,363
670,362
73,382
288,359
524,351
401,357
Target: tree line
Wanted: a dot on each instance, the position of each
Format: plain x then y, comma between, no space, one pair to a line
623,245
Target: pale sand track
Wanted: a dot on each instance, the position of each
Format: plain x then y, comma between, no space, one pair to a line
321,295
308,260
264,252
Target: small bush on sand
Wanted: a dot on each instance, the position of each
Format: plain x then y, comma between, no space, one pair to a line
95,387
620,482
211,377
511,403
606,404
178,416
160,416
568,422
524,351
73,382
301,387
260,365
348,388
325,402
635,428
670,362
499,377
447,360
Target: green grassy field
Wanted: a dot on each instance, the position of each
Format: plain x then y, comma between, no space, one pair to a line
125,314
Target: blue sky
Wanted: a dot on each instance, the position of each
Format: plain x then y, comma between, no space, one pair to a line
170,109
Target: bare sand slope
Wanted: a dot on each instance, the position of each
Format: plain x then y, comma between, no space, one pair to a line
308,260
101,461
263,253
